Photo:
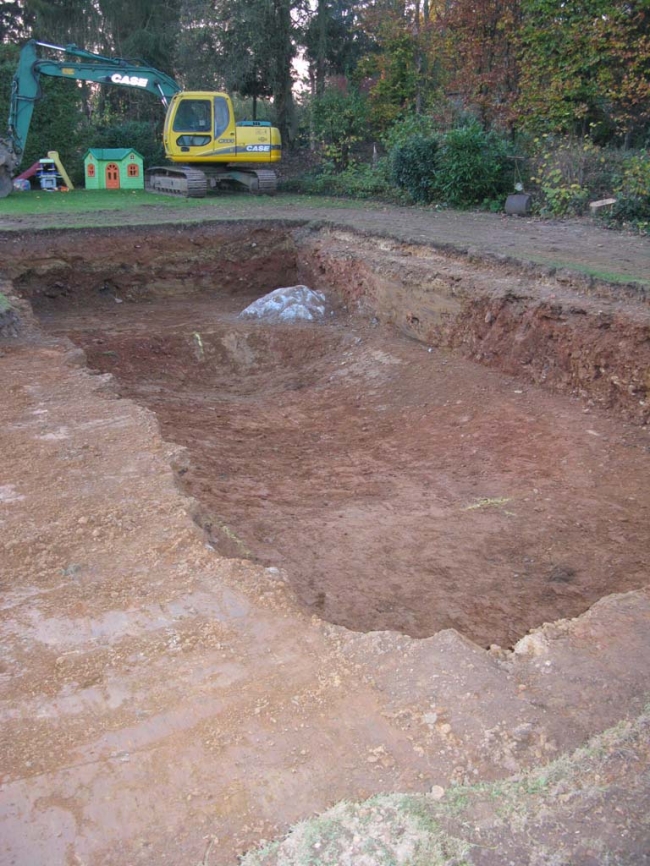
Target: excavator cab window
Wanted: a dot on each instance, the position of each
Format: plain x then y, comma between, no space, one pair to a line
193,115
221,116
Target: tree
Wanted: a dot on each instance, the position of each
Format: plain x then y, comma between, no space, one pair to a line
282,50
585,67
15,21
245,68
481,57
391,65
127,28
334,42
142,29
340,119
64,21
57,119
246,46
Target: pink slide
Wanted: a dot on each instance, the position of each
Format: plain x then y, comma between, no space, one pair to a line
29,172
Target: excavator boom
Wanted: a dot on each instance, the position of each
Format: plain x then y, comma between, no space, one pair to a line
78,65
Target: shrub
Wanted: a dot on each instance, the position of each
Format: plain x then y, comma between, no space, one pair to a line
364,180
632,189
462,167
634,176
359,180
569,173
473,166
143,136
408,127
414,165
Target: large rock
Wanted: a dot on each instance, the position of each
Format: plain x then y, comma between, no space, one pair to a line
290,304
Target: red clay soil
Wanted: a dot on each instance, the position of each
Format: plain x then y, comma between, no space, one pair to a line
400,487
163,703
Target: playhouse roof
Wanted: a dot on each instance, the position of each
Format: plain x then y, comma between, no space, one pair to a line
111,153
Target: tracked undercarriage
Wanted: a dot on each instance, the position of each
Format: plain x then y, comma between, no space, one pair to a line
188,181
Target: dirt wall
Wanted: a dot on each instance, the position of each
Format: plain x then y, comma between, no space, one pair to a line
559,331
548,330
143,263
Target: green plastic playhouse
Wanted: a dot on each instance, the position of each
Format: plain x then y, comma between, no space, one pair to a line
113,168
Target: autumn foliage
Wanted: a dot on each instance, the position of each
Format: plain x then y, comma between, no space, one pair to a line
544,65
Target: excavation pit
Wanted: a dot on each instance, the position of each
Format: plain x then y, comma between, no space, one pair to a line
396,483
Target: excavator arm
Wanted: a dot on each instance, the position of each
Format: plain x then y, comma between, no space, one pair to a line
78,65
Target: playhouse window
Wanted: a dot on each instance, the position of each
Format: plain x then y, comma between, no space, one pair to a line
133,170
91,170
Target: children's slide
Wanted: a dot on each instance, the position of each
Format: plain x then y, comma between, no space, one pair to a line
34,169
53,155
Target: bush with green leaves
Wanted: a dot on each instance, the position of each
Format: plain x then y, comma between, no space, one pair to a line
340,121
57,122
359,180
632,190
408,127
473,166
414,167
462,167
365,180
569,173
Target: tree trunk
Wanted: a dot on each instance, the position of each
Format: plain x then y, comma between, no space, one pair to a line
321,50
282,47
419,59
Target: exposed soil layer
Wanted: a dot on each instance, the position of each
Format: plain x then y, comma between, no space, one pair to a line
162,704
579,245
586,809
401,485
559,331
562,331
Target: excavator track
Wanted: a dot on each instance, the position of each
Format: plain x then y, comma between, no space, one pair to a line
189,182
182,180
258,181
267,181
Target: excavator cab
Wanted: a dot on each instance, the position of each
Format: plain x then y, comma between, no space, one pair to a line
200,127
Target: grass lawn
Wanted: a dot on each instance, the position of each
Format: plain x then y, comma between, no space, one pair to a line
37,201
58,204
81,200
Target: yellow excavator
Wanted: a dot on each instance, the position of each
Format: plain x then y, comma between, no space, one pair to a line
208,149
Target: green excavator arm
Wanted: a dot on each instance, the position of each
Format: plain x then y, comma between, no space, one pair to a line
78,65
